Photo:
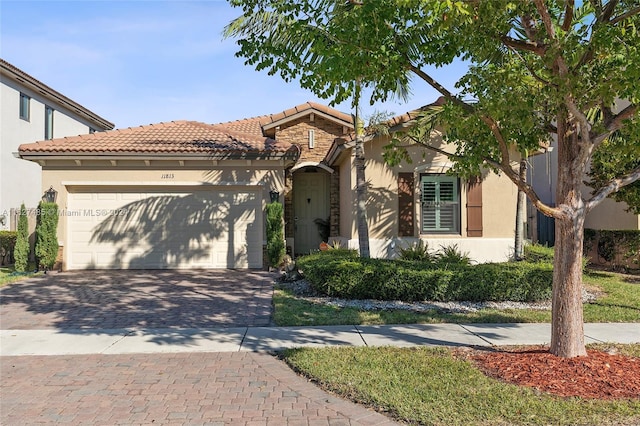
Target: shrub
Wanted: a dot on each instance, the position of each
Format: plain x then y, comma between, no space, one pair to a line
47,234
7,244
538,253
21,254
451,255
619,248
275,234
346,275
416,251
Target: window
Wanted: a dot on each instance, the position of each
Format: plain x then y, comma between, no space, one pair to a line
24,106
440,204
48,123
312,139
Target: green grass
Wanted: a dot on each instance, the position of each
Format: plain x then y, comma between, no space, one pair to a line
619,302
430,386
8,275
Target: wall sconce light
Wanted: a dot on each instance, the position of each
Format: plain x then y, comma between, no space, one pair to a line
274,195
50,195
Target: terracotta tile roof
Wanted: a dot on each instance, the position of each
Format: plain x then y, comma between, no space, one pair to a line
176,137
254,125
412,115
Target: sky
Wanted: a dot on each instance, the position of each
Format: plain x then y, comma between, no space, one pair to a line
149,61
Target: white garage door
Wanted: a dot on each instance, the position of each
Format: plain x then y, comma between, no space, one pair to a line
141,228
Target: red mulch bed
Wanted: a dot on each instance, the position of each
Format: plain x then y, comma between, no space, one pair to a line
599,375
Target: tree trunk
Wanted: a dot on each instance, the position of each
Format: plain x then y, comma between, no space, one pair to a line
567,329
521,211
361,181
361,191
567,333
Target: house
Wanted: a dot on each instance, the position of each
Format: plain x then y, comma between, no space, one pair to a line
192,195
29,111
543,175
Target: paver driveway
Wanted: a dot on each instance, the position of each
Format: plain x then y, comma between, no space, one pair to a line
237,388
138,299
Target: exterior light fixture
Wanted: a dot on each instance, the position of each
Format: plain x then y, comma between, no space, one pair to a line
50,195
274,195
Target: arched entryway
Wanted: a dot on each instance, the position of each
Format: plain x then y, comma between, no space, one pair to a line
311,188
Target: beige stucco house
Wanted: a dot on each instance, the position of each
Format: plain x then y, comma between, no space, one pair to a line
192,195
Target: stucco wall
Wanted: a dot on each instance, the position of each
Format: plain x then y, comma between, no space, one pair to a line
499,205
62,175
20,181
612,215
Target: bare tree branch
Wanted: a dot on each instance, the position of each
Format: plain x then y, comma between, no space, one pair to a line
613,123
529,46
441,89
529,27
546,18
568,15
612,187
607,12
628,14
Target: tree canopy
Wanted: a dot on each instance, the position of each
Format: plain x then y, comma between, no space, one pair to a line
541,70
530,59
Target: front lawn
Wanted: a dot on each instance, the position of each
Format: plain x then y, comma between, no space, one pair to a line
618,301
431,386
9,275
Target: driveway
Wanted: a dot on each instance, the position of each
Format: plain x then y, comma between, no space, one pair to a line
92,300
232,388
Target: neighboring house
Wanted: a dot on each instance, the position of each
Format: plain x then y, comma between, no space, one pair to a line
30,111
192,195
543,175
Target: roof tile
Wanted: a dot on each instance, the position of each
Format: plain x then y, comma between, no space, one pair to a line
180,137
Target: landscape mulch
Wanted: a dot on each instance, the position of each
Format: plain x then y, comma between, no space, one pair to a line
599,375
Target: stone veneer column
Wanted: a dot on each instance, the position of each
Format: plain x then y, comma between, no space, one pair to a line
289,229
334,204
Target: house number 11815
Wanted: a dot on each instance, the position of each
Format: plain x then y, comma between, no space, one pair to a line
167,176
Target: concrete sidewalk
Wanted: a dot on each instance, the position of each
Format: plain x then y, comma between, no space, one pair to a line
269,339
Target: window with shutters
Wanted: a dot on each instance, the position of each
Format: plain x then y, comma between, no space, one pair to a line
440,198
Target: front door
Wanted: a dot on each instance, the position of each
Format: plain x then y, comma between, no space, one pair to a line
311,208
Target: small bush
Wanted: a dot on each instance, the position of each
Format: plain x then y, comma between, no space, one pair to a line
346,275
47,234
416,251
21,255
275,234
7,245
451,255
538,253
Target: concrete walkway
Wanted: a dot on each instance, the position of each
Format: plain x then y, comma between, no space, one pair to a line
270,339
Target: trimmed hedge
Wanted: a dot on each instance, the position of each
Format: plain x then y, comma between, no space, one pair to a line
343,274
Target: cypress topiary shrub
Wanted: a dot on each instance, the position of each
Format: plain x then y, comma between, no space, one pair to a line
21,252
275,233
47,234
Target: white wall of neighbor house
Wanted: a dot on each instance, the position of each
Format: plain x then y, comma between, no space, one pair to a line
543,175
21,181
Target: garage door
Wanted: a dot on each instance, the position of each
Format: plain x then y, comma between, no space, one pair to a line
142,228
